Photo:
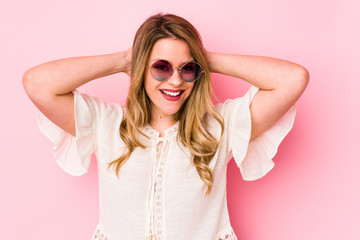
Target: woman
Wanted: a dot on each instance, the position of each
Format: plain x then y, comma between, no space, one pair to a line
162,160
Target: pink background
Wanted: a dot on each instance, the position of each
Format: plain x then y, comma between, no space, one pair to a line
313,191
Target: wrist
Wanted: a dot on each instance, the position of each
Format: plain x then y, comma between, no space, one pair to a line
210,59
118,59
213,62
123,61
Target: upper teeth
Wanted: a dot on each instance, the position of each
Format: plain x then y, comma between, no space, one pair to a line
173,94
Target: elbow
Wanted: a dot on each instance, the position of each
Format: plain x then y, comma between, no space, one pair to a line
300,80
303,78
32,84
293,88
27,81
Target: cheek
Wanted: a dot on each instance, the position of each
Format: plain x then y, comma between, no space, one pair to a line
150,86
189,89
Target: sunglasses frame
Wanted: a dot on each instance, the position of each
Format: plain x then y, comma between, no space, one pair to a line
177,68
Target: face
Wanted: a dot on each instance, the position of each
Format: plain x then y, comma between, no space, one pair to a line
168,96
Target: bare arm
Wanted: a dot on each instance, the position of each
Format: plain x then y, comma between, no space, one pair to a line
281,84
50,85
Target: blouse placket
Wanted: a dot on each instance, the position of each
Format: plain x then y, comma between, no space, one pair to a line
161,150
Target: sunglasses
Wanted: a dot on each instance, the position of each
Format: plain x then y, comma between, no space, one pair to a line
162,70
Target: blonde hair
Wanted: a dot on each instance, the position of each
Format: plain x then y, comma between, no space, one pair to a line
193,114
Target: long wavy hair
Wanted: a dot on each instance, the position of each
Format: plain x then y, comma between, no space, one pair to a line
193,114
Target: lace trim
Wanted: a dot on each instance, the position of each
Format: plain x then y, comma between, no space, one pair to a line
161,149
227,234
155,134
150,131
156,211
172,130
99,234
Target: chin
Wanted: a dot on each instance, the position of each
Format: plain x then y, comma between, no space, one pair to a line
171,111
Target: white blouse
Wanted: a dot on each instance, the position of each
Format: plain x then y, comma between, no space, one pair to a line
159,194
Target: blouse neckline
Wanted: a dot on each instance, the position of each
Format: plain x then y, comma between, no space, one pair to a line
169,132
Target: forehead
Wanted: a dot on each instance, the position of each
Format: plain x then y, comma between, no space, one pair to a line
173,50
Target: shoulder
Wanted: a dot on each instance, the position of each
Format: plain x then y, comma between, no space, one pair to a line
96,108
237,109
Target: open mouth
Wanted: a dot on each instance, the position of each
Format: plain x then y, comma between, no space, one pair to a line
172,94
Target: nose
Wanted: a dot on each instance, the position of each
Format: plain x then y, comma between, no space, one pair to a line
175,79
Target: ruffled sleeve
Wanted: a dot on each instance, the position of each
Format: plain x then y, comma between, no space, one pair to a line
71,153
253,158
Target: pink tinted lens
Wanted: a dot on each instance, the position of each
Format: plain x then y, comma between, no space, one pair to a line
161,70
190,72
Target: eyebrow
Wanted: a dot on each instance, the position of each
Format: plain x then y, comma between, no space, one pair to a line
157,59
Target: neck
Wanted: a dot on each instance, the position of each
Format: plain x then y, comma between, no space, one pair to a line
161,122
